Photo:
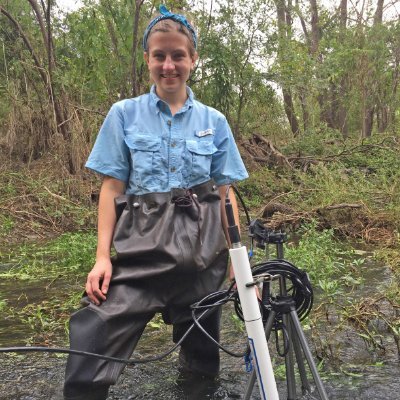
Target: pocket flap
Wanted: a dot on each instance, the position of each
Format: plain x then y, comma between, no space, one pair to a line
143,142
202,148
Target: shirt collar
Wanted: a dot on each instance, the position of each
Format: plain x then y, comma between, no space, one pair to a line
159,104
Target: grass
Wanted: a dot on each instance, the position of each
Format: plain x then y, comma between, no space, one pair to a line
331,265
70,254
41,201
59,267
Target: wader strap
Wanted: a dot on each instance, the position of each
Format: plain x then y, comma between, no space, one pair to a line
186,200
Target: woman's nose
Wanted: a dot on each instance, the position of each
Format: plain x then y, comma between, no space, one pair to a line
168,64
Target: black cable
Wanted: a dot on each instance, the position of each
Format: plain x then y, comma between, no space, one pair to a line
300,292
228,296
220,298
286,340
131,361
245,209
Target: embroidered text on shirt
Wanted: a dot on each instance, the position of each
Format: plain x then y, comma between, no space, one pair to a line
208,131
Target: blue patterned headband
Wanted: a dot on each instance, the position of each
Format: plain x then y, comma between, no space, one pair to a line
165,14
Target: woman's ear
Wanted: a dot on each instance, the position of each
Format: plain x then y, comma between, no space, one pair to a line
194,59
146,57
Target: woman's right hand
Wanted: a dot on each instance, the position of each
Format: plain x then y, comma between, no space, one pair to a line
98,280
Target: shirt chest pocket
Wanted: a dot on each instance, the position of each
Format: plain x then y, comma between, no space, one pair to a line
145,158
198,157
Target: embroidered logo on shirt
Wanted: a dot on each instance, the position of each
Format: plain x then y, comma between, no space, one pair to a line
208,131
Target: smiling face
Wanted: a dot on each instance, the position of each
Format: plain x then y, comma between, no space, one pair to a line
170,61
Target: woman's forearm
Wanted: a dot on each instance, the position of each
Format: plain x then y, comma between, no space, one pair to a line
110,189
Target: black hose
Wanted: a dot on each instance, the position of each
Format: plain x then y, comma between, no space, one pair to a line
219,298
300,289
205,305
132,361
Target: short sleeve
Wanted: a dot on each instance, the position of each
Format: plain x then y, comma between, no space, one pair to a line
227,165
110,154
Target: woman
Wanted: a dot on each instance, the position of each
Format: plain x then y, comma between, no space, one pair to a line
166,160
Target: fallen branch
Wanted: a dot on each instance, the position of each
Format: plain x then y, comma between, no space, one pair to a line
341,205
88,110
273,153
57,196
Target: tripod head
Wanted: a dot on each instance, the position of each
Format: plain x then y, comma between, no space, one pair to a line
264,236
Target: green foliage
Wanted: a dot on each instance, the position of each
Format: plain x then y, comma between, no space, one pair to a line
3,305
330,265
7,225
95,46
71,254
67,258
230,74
244,60
40,201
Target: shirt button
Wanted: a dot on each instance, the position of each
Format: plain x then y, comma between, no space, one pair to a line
173,169
173,144
169,122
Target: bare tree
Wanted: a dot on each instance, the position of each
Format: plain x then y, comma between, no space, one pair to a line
286,90
369,99
315,27
341,121
135,40
45,74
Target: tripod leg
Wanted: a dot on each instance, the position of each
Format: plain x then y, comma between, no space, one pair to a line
289,361
308,355
305,384
253,376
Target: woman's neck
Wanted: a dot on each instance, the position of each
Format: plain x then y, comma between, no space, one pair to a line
175,101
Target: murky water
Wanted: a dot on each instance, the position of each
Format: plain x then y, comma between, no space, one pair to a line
365,374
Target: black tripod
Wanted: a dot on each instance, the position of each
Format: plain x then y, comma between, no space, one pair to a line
281,313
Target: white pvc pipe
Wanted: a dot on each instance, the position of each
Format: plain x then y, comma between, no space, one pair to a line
254,325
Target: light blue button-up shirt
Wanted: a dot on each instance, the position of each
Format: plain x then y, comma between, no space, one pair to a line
142,144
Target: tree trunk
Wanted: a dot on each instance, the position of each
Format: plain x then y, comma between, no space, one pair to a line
369,101
343,15
304,108
382,118
303,25
48,43
236,129
315,28
368,122
378,17
341,122
45,78
286,91
290,112
135,40
395,85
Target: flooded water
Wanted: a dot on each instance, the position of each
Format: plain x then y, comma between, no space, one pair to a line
358,372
